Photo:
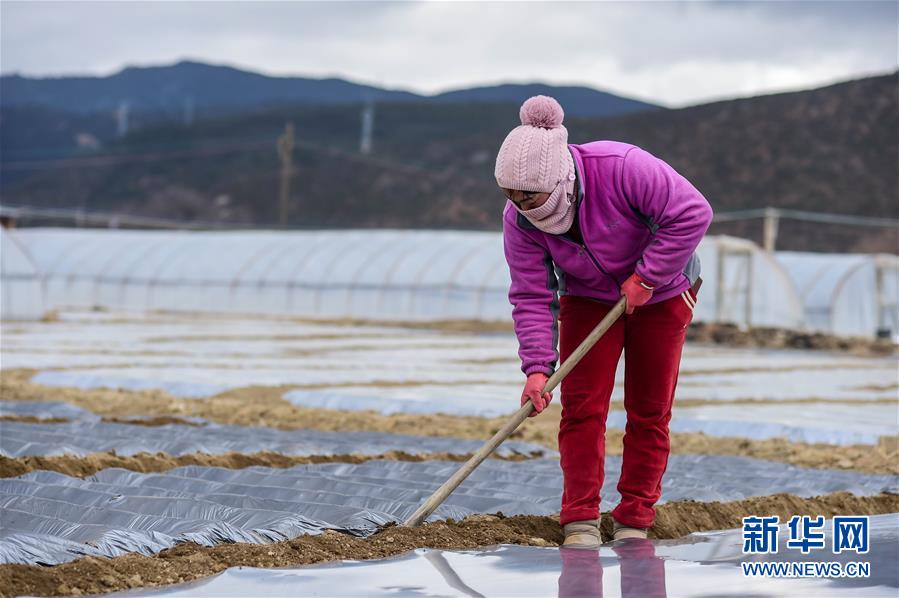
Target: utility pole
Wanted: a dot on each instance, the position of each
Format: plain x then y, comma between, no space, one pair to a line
285,153
368,120
772,219
189,111
121,118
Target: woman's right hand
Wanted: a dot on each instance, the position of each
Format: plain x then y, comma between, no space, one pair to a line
533,391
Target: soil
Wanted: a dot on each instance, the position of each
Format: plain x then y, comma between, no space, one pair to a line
264,406
159,420
698,332
188,562
31,419
781,338
156,462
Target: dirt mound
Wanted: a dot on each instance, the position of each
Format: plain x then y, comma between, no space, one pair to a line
189,561
159,420
32,419
264,406
701,332
678,519
80,467
782,338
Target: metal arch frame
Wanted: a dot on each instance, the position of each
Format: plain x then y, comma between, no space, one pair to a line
723,250
262,283
388,279
813,280
351,288
100,277
153,280
883,307
798,303
463,261
71,278
414,287
724,246
482,288
127,279
291,283
252,259
330,268
841,282
73,275
277,249
62,255
41,275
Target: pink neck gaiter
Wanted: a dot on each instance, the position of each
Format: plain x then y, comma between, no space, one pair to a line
557,212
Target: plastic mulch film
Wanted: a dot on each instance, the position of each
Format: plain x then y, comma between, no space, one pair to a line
84,437
701,564
118,511
45,410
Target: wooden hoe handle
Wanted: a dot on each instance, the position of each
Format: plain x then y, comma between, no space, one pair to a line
516,420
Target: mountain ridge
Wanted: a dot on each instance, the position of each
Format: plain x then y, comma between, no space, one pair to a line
831,149
202,86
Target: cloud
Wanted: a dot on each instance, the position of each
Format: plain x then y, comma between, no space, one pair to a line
849,13
674,53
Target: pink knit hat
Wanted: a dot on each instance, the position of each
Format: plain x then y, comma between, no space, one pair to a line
535,157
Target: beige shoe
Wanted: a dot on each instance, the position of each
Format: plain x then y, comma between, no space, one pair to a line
620,532
582,534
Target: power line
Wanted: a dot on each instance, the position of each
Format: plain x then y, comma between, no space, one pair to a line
209,151
821,217
110,219
767,213
115,160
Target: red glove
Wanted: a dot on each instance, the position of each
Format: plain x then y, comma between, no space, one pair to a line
532,389
637,291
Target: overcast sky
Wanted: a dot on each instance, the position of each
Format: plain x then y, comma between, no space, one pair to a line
672,53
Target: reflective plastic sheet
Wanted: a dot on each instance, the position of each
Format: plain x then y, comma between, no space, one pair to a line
197,356
831,423
85,437
118,511
701,564
45,410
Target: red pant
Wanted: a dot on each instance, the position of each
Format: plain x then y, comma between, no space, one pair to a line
652,339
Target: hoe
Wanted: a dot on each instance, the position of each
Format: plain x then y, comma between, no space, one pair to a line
516,420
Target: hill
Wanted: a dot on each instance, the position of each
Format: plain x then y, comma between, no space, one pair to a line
172,89
46,118
578,101
831,149
189,89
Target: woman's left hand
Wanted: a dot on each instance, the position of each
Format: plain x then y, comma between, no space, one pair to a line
637,291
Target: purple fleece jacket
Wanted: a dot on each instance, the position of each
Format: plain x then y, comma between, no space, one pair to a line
636,214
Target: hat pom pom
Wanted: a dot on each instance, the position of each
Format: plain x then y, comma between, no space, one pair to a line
541,111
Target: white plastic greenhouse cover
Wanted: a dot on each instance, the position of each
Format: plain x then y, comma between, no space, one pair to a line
21,292
745,285
850,294
381,274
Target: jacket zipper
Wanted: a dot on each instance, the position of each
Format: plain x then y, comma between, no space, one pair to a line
595,261
583,245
